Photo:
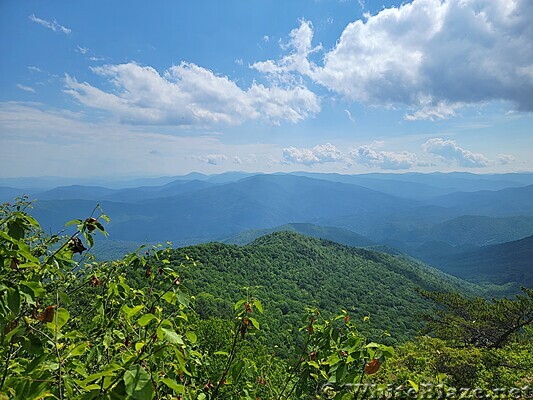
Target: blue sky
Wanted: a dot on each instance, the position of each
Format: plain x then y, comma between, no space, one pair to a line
125,89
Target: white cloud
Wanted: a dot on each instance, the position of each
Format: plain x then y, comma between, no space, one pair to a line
300,46
213,159
26,88
369,156
82,50
506,159
237,160
448,151
50,25
317,155
187,94
433,56
431,112
349,114
266,38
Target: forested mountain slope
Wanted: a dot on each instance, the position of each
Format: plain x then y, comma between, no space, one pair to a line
289,271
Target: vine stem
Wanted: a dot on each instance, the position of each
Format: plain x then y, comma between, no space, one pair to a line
230,359
8,358
295,368
57,348
356,395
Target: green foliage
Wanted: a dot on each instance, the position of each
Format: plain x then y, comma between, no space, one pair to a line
72,328
480,343
434,361
479,322
335,357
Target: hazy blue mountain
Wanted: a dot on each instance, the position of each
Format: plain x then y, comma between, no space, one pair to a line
191,211
77,192
459,181
475,230
39,183
153,192
227,177
386,224
510,201
8,194
338,235
260,201
392,186
500,263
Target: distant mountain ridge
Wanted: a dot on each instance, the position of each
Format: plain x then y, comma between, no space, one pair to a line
338,235
413,213
499,263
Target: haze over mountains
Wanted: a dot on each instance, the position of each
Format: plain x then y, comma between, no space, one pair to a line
440,218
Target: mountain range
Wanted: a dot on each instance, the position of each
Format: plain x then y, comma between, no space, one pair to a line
442,219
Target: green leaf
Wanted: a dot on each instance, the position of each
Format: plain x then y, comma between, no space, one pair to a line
13,300
99,226
258,305
73,222
137,383
254,322
146,319
191,336
132,311
169,335
238,304
178,389
235,370
183,299
61,316
35,287
78,349
170,297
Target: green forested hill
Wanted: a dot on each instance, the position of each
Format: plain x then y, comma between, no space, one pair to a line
289,271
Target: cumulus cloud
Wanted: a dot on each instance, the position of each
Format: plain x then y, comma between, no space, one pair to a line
188,94
50,25
433,56
308,156
448,151
506,159
370,156
299,47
